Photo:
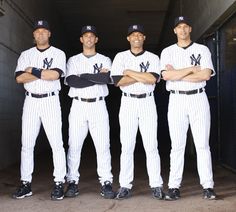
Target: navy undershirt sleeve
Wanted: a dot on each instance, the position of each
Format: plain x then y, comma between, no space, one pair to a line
78,82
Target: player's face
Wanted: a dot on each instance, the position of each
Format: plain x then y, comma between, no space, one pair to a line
88,39
41,36
183,31
136,39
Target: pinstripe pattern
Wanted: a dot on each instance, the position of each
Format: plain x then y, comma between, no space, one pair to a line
138,113
45,111
35,58
48,112
194,109
144,116
188,109
92,117
180,58
80,64
126,60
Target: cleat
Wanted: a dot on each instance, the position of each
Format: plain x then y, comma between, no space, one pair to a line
106,191
209,194
172,194
23,191
58,191
123,193
158,193
72,189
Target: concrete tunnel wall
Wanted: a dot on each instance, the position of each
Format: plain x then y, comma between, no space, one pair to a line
16,36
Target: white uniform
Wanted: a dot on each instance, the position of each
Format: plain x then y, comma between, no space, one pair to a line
42,109
188,109
92,116
138,112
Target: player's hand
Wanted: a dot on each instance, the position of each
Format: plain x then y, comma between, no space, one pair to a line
169,67
104,70
28,70
196,69
126,72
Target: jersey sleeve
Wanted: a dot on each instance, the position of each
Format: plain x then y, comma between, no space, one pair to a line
117,67
22,63
155,65
60,63
107,63
71,67
206,61
163,60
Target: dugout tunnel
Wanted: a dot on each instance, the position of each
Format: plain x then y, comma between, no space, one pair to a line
213,24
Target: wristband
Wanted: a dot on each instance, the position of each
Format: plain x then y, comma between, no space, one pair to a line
36,72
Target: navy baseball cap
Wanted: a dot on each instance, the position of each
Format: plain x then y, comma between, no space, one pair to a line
41,24
89,28
135,28
182,19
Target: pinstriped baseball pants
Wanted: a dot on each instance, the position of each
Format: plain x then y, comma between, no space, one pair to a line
92,116
182,111
140,113
48,112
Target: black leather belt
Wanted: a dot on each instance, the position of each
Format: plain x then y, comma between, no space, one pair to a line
89,100
39,95
200,90
139,96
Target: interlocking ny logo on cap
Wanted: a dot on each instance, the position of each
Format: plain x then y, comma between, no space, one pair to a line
181,18
135,27
40,23
89,27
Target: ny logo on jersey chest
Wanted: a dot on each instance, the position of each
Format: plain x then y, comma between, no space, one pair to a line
47,64
97,68
143,67
195,61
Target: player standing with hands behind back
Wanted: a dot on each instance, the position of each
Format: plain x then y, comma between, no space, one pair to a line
39,69
186,66
136,72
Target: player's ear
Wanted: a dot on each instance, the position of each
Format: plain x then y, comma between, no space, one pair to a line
33,35
128,38
81,39
96,40
144,37
190,29
174,31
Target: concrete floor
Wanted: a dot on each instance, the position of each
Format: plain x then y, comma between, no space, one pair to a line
89,199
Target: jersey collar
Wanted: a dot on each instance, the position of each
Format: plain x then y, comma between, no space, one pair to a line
185,47
89,56
140,53
42,50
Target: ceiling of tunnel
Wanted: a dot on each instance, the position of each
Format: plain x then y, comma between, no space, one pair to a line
112,18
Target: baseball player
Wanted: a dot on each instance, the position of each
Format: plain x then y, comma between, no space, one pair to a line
136,72
87,75
186,66
39,69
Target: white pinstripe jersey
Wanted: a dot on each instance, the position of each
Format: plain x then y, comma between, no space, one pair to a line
179,58
80,64
146,62
47,59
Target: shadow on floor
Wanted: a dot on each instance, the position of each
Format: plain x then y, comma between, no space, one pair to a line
141,200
